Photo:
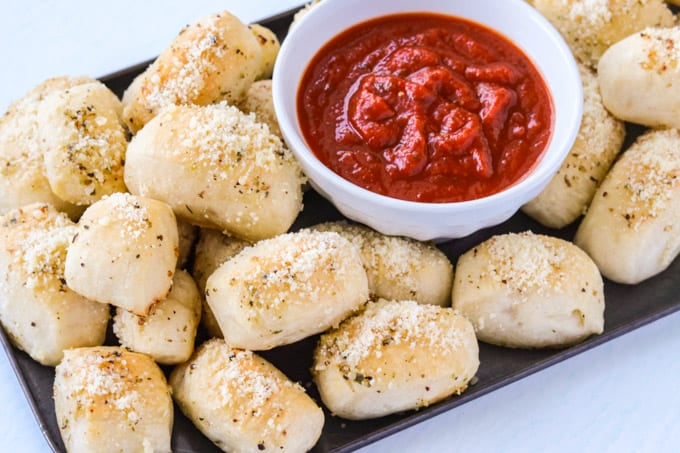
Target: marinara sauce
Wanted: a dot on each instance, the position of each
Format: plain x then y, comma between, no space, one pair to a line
425,107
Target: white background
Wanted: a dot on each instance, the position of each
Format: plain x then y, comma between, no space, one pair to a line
621,397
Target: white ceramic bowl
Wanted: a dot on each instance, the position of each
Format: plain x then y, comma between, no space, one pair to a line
437,221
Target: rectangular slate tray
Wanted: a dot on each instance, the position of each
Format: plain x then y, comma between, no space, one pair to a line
627,308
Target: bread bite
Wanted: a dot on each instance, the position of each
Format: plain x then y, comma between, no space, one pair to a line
287,288
269,49
124,252
399,268
213,59
218,168
108,399
591,26
394,356
212,250
23,178
632,229
529,291
167,333
83,142
638,76
40,313
259,101
241,402
600,137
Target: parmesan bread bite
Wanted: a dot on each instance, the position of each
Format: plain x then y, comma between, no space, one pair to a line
212,250
632,229
394,356
599,140
108,399
639,75
40,314
529,291
214,59
269,49
259,101
399,268
243,403
217,168
591,26
168,332
83,142
49,86
23,177
124,252
285,289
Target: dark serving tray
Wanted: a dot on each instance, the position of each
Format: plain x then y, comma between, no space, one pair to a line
627,308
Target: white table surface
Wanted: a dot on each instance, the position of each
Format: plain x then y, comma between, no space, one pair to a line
623,396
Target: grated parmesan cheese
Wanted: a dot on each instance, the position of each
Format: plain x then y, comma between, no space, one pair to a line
662,49
651,170
526,262
384,324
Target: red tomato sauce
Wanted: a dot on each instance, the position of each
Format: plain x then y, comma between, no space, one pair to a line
425,107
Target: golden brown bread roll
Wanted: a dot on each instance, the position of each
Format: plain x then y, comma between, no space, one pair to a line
591,26
124,252
399,268
168,331
269,49
529,291
23,178
214,59
394,356
632,229
83,142
40,314
600,137
284,289
108,399
259,101
217,168
243,403
638,76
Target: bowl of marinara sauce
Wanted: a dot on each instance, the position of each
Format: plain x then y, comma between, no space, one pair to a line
430,118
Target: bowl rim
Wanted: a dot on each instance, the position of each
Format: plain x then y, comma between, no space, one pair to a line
541,172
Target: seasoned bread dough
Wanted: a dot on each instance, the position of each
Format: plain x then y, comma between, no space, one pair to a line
529,291
259,101
49,86
285,289
599,140
214,59
394,356
632,229
124,252
83,142
243,403
217,168
638,77
399,268
591,26
40,314
23,177
212,250
168,332
269,49
109,400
